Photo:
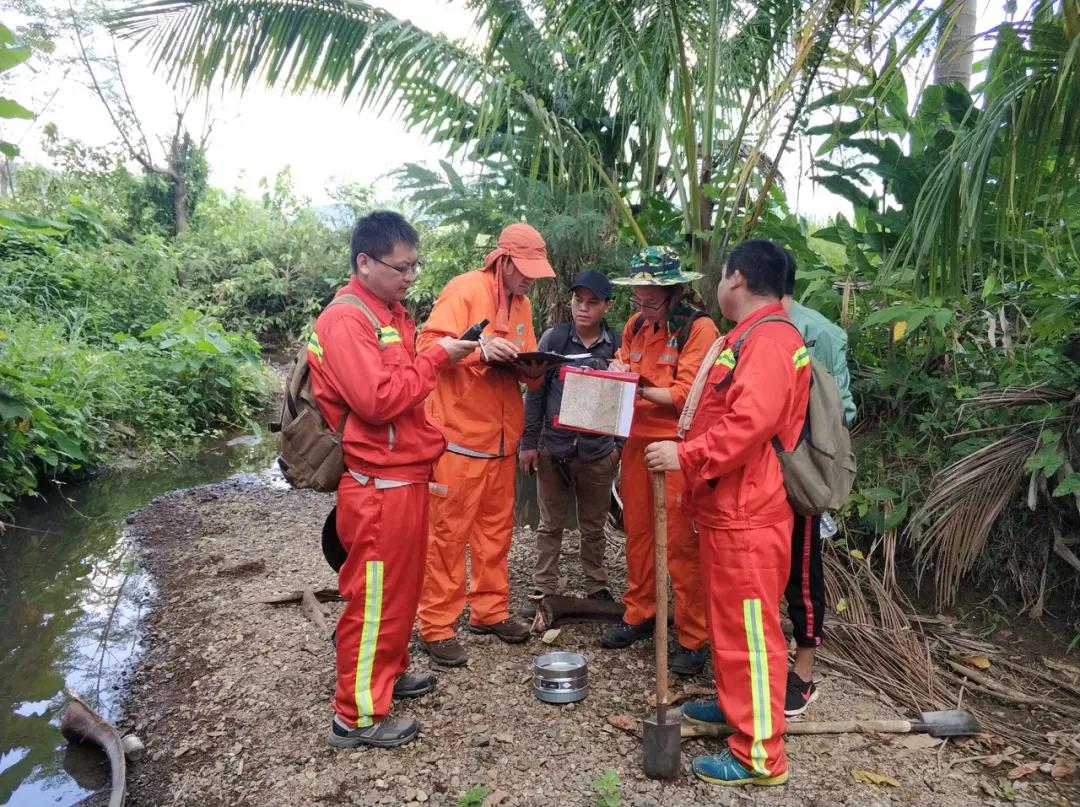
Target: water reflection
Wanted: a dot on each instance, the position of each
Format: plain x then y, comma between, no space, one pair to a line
70,599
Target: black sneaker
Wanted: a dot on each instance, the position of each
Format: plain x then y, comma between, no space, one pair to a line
616,637
387,733
688,662
413,685
800,694
602,594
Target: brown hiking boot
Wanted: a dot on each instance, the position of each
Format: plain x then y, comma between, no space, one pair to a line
510,630
447,652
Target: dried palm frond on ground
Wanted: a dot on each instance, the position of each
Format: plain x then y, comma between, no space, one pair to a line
925,663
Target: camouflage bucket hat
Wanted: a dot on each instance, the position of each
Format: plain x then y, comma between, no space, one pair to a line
656,266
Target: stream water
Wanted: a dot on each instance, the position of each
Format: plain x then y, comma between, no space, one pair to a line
71,595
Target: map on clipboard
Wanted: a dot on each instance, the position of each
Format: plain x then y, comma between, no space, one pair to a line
597,401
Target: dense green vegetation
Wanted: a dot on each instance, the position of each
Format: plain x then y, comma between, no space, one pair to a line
954,271
100,345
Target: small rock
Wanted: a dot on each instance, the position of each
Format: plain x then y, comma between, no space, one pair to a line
381,784
421,796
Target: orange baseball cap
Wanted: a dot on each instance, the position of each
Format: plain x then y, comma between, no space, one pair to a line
527,249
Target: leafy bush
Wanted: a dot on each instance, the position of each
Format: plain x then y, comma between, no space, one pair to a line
264,266
65,400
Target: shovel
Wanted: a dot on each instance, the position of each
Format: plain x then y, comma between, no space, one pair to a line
662,755
948,723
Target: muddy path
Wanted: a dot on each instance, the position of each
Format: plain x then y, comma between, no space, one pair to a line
233,698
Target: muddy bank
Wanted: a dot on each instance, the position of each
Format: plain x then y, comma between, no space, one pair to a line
233,698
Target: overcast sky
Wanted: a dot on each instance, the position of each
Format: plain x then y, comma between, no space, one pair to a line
256,134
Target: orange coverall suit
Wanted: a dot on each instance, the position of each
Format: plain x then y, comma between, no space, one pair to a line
382,501
653,353
482,414
741,510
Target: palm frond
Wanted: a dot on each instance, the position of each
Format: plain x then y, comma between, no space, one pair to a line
363,55
950,529
1014,165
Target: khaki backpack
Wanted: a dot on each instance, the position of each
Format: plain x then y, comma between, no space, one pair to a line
311,455
819,471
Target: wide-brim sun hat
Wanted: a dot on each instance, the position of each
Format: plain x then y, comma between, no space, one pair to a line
656,266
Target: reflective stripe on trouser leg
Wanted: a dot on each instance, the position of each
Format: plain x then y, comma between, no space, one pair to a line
384,533
369,641
744,573
759,684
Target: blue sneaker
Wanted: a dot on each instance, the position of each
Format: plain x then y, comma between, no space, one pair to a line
724,769
705,712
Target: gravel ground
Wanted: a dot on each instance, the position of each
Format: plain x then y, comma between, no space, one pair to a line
233,698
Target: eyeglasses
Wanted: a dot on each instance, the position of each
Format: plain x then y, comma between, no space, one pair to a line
634,301
411,269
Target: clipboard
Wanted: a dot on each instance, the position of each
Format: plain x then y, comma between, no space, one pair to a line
597,401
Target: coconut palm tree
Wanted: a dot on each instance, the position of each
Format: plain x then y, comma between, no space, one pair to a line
651,100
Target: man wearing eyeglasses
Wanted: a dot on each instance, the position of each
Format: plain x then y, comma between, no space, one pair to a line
365,374
665,343
479,405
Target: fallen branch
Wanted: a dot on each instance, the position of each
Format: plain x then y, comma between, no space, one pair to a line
558,611
81,723
322,595
310,608
1071,687
989,686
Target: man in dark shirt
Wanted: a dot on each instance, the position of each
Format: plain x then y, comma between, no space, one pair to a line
572,465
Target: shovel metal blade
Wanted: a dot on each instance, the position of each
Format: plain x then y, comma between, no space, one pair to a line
663,759
947,723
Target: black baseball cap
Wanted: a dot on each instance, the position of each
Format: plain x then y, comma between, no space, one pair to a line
594,282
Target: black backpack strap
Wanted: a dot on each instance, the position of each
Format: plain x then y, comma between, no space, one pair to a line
616,336
565,331
683,336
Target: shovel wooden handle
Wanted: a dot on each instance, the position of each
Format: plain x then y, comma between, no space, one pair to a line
810,727
660,637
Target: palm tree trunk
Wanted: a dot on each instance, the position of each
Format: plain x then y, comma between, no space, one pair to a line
955,52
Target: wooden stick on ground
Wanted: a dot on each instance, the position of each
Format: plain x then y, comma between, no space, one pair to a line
310,607
998,690
293,597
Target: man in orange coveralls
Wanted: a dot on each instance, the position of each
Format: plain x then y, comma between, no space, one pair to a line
479,405
363,368
750,392
665,343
